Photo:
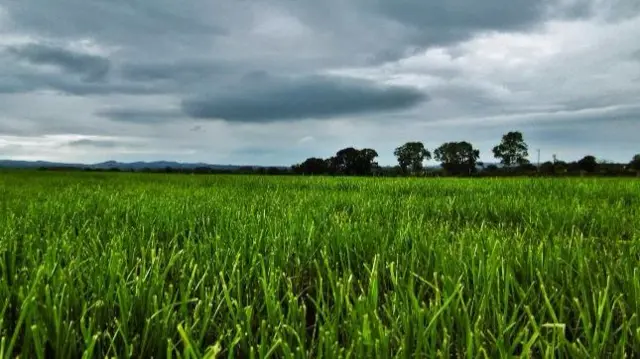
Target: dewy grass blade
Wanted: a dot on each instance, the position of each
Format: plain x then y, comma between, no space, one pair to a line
141,265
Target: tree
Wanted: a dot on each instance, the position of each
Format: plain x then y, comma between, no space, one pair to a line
351,161
547,168
345,161
366,161
312,166
560,166
491,168
588,164
457,157
411,156
512,150
635,164
527,168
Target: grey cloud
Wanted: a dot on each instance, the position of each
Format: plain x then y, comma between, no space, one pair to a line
185,71
187,77
616,10
269,99
93,143
11,129
140,116
444,21
83,89
21,82
197,52
394,29
256,151
609,135
453,20
116,21
90,67
81,74
339,31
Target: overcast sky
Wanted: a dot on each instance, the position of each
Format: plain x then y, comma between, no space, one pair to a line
272,82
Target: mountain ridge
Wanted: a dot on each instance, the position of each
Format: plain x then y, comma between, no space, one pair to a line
137,165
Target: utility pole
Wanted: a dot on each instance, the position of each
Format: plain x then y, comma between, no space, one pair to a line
538,160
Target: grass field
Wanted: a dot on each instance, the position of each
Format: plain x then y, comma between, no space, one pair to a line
134,265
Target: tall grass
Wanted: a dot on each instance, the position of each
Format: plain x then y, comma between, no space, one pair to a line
132,265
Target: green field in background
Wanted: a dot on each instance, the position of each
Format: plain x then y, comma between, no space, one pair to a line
135,265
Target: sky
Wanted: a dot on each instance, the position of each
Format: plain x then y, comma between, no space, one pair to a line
272,82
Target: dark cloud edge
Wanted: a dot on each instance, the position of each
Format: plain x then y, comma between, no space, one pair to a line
272,99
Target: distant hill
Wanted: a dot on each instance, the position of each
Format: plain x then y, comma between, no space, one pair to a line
158,165
119,165
36,164
155,165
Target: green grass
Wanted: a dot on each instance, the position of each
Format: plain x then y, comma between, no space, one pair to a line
133,265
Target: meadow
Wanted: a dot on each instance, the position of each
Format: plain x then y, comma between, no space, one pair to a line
182,266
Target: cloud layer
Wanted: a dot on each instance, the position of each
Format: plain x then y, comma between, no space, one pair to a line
90,67
274,81
266,99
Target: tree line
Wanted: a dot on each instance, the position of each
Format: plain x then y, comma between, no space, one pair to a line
455,158
460,159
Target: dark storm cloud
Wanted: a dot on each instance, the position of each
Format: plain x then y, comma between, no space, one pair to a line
175,34
270,99
90,67
139,116
356,29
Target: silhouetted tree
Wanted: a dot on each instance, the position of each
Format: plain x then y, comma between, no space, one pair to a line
492,168
345,161
512,150
312,166
351,161
395,171
588,164
411,156
366,161
245,170
275,171
201,170
547,168
560,167
527,168
457,157
635,164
